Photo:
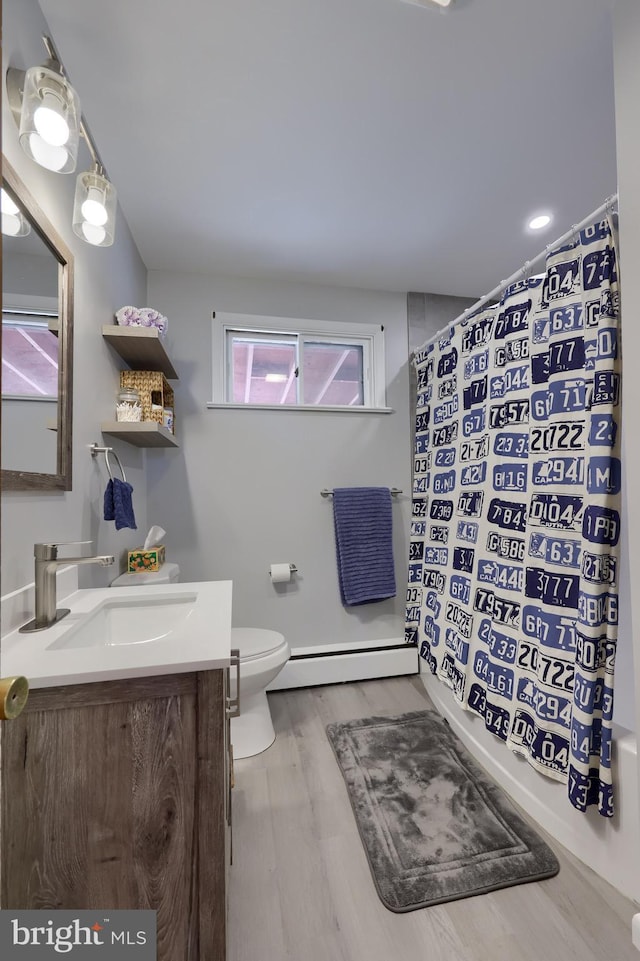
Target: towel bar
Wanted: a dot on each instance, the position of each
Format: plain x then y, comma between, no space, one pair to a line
95,450
329,493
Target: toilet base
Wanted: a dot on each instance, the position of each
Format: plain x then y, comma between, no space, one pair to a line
252,732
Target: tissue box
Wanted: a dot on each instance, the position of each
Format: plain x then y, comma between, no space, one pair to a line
145,562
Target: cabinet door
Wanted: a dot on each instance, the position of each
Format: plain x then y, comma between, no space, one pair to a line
98,802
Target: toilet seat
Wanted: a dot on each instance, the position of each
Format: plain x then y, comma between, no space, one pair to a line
255,642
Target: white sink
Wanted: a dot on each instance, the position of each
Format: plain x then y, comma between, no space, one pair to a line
123,632
136,620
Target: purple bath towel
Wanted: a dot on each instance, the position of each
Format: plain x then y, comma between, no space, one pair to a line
364,547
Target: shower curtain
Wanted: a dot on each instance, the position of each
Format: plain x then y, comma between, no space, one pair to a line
513,572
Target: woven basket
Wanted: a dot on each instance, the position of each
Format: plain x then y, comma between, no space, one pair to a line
153,390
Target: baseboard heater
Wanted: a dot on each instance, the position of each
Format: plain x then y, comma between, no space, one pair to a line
335,663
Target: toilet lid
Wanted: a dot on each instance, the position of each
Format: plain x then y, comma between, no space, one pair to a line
255,641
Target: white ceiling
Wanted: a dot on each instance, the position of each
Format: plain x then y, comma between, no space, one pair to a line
364,143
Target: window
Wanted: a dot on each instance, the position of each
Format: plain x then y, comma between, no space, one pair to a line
29,355
275,362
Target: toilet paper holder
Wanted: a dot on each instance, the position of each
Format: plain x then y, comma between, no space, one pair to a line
292,569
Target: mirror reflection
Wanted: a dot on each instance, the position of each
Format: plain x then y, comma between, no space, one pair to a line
36,345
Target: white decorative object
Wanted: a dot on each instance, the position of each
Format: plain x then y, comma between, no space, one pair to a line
142,317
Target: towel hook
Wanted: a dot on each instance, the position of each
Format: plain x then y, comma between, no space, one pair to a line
95,450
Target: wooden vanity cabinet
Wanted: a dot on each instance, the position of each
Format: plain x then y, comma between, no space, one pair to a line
117,795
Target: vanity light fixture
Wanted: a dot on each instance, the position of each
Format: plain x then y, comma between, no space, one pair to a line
94,207
47,110
14,223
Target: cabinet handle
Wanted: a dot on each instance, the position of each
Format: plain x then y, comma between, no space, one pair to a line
233,703
14,692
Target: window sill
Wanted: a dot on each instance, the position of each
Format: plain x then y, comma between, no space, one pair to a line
294,407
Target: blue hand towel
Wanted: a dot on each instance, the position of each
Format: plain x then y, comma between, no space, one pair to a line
364,547
123,505
108,501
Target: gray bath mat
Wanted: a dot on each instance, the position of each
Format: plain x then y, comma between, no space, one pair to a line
434,826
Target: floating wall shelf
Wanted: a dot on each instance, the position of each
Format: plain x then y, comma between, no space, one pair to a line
145,433
140,347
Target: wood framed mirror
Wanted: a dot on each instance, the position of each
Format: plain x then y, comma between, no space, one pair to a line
37,345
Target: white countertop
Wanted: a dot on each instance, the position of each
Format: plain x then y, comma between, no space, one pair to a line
202,644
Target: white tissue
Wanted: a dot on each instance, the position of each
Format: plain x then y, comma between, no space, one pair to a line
153,538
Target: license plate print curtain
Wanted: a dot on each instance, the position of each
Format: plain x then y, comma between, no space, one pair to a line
513,571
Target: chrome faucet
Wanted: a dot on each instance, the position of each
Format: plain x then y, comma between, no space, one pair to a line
47,561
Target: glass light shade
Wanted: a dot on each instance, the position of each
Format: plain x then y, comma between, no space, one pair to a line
94,209
50,120
14,223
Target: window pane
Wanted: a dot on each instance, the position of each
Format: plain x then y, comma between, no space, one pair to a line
29,359
262,368
333,374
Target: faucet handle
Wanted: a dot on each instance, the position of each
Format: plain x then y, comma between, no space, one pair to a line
49,552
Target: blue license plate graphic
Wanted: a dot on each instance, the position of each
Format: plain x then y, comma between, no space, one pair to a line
476,334
566,471
562,320
446,457
474,474
569,435
551,750
436,555
447,388
445,435
508,515
441,510
456,644
511,412
501,575
603,430
444,483
501,609
432,603
606,388
434,579
559,511
470,503
457,678
422,444
467,531
509,548
422,420
460,618
511,445
599,568
556,590
595,653
474,449
501,646
439,534
432,631
460,588
598,266
448,363
512,320
555,550
513,350
548,707
421,484
510,477
601,525
604,475
556,631
418,528
560,397
597,609
416,550
463,559
419,508
473,423
514,378
445,411
475,393
560,280
476,365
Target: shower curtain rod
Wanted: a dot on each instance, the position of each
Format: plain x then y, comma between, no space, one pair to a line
524,270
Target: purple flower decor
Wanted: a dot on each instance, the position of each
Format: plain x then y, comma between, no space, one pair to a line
142,317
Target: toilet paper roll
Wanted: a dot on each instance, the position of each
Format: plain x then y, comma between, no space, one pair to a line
280,573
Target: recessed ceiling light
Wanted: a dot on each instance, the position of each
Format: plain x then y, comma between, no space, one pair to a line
428,3
537,223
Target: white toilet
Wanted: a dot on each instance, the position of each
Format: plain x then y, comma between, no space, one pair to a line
263,654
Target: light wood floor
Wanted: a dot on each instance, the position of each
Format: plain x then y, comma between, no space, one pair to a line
301,889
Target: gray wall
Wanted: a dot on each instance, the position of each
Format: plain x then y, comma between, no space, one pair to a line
244,489
429,313
105,280
627,87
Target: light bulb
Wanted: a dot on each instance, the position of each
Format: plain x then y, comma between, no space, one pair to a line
7,205
11,224
50,123
93,209
53,158
93,234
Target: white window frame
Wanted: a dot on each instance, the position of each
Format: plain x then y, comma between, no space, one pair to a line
369,336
